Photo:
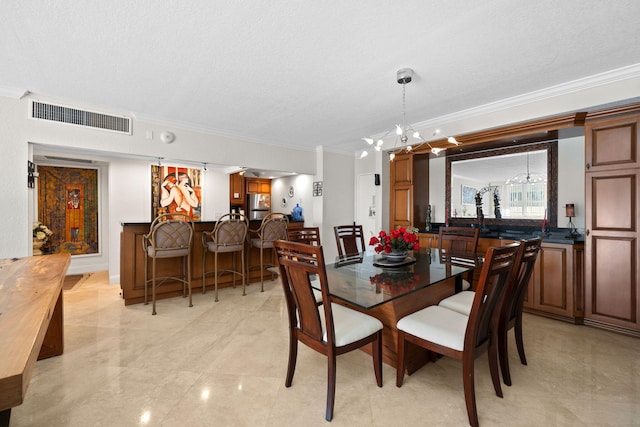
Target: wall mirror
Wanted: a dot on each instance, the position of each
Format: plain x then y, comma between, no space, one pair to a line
515,185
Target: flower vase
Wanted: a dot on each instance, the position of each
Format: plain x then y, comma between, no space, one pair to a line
396,256
37,244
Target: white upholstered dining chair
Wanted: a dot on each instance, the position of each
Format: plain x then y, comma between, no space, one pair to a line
329,328
461,337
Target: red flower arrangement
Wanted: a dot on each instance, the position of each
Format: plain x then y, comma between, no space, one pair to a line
398,240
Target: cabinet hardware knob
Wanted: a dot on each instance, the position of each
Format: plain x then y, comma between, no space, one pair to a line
586,232
588,166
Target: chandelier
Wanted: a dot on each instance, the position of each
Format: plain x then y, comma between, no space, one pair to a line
526,178
403,131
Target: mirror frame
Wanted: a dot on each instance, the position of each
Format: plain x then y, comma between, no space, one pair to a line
552,181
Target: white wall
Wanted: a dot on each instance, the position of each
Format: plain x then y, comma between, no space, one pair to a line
571,165
437,187
303,194
338,199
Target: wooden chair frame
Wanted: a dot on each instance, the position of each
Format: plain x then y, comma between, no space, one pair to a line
348,238
458,244
308,235
482,323
512,307
298,262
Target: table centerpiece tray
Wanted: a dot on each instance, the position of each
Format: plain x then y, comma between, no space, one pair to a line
387,263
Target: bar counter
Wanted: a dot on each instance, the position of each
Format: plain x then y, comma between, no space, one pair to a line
132,263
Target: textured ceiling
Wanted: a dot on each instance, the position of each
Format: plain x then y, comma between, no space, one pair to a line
304,74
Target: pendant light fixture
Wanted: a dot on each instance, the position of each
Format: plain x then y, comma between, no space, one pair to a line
526,178
402,131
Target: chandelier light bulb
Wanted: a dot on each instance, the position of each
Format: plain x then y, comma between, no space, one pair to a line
368,140
453,140
379,143
417,135
399,130
436,151
364,154
392,156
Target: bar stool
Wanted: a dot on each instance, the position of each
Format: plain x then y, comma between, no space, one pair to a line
228,236
272,228
170,236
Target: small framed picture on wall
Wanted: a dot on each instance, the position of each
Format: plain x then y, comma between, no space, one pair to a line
317,189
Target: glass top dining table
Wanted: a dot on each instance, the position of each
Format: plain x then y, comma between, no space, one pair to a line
368,280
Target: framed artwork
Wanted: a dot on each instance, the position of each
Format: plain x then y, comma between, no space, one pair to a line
68,205
468,195
176,189
317,188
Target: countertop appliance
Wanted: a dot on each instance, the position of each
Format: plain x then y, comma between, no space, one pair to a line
258,205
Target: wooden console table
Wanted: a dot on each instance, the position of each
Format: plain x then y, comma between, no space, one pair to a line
31,319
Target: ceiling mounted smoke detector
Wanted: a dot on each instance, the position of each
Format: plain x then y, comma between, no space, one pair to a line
167,137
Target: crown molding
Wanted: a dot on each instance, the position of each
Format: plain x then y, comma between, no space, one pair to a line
586,83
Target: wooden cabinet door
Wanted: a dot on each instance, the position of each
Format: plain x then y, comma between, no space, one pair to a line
612,144
258,185
401,191
556,287
612,199
252,187
236,189
428,240
612,270
401,206
265,187
553,280
402,169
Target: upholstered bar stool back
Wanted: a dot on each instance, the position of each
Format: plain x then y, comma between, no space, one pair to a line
272,228
228,236
170,236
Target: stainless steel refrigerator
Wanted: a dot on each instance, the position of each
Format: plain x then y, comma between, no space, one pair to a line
258,205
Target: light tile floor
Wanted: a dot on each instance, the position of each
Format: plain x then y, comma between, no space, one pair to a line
223,364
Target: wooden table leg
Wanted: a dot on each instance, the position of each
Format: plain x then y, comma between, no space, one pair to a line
53,343
4,417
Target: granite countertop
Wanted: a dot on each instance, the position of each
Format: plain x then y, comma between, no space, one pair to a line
555,236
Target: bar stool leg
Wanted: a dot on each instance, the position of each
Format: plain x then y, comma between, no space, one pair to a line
153,286
215,272
244,274
261,269
146,278
189,278
204,269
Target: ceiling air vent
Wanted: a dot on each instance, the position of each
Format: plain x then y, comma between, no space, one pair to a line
73,116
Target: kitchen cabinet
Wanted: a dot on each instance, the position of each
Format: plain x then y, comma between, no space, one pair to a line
556,288
409,190
428,240
258,185
612,199
237,190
